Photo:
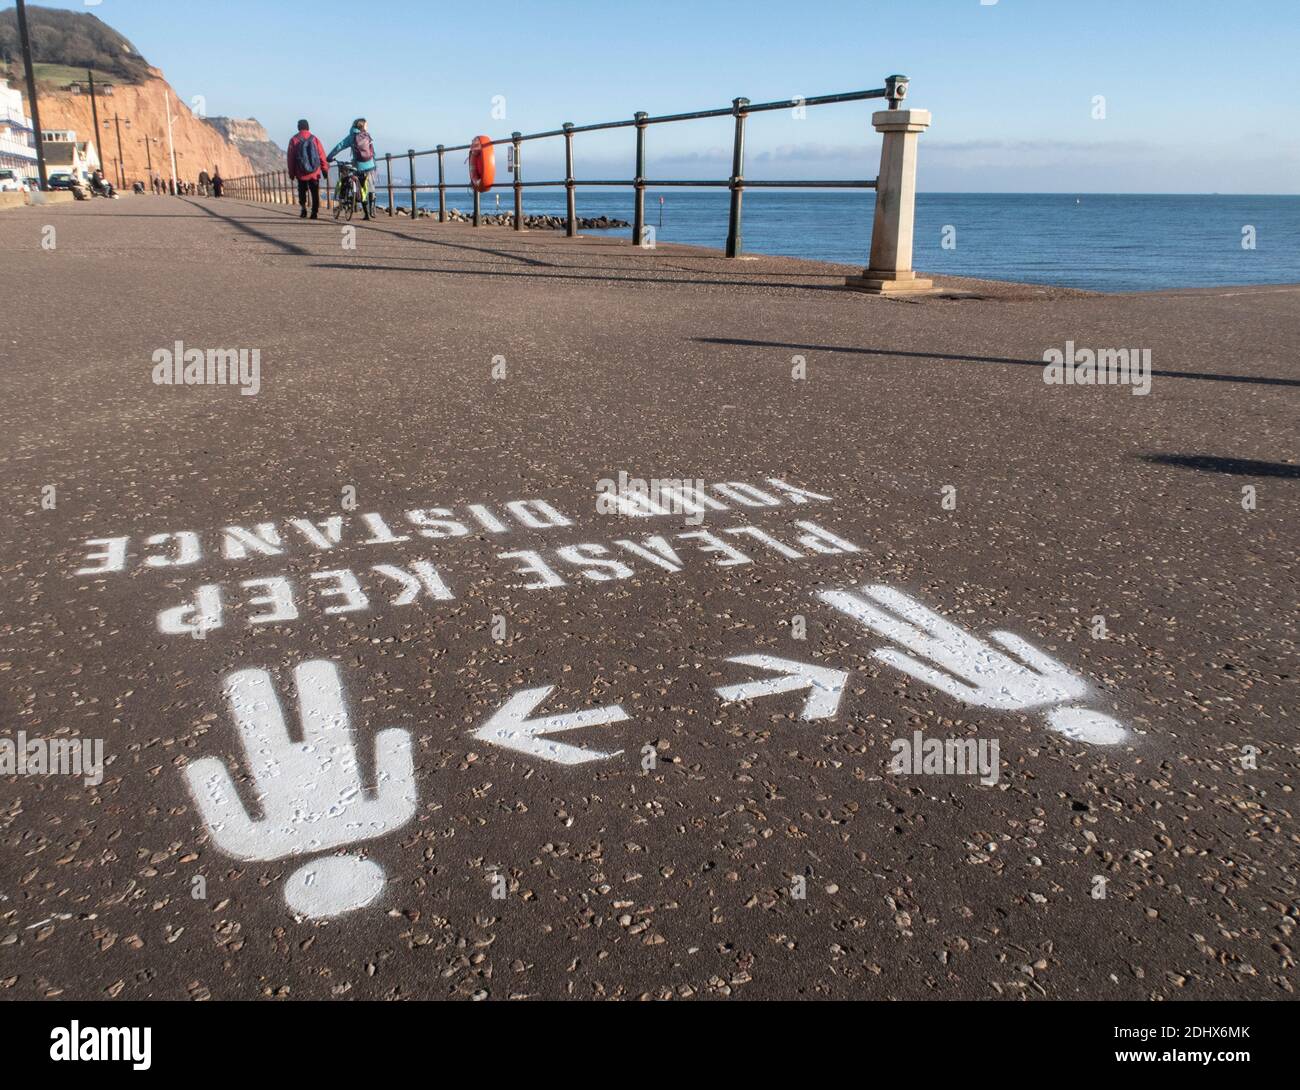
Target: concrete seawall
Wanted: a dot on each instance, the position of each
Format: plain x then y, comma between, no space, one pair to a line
24,199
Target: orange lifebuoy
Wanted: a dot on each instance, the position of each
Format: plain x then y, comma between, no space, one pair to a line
482,163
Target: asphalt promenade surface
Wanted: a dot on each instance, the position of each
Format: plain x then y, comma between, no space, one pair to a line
418,535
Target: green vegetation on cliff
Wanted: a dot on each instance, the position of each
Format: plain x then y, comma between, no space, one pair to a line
68,41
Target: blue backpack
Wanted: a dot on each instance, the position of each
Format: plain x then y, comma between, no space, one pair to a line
308,157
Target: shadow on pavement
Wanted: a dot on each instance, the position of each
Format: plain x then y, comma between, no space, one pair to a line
373,225
613,281
1210,463
555,244
1208,376
287,247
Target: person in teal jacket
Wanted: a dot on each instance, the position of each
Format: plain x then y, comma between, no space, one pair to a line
362,146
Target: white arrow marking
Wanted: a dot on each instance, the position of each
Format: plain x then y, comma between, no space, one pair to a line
510,727
825,685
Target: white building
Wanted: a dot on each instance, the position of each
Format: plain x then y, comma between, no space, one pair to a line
64,152
17,140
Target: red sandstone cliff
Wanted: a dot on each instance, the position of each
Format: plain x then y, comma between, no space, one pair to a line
199,146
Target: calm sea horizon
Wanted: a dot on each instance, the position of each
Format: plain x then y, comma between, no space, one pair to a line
1105,242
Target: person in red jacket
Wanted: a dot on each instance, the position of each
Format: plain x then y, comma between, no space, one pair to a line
306,164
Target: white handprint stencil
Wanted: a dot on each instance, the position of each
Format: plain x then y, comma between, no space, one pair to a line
972,670
309,792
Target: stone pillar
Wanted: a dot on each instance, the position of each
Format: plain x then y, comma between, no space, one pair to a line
890,269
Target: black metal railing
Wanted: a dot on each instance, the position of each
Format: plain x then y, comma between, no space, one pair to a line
277,187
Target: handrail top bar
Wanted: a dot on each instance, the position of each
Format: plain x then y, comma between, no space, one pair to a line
651,183
727,111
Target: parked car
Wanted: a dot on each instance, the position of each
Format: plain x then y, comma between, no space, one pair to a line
61,179
11,181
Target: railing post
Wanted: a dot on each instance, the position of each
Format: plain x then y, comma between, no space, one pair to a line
329,189
638,216
519,178
388,169
410,159
889,268
442,189
570,185
737,178
478,209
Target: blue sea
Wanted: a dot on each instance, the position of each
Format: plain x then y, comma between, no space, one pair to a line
1103,242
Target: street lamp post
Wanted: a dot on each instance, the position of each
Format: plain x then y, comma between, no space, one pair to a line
121,162
94,115
171,144
41,180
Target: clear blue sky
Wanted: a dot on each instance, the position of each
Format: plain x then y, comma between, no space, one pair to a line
1200,95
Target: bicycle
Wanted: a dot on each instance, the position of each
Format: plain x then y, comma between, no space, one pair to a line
348,192
348,196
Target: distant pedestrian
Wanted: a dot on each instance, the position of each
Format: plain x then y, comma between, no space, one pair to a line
306,162
218,182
